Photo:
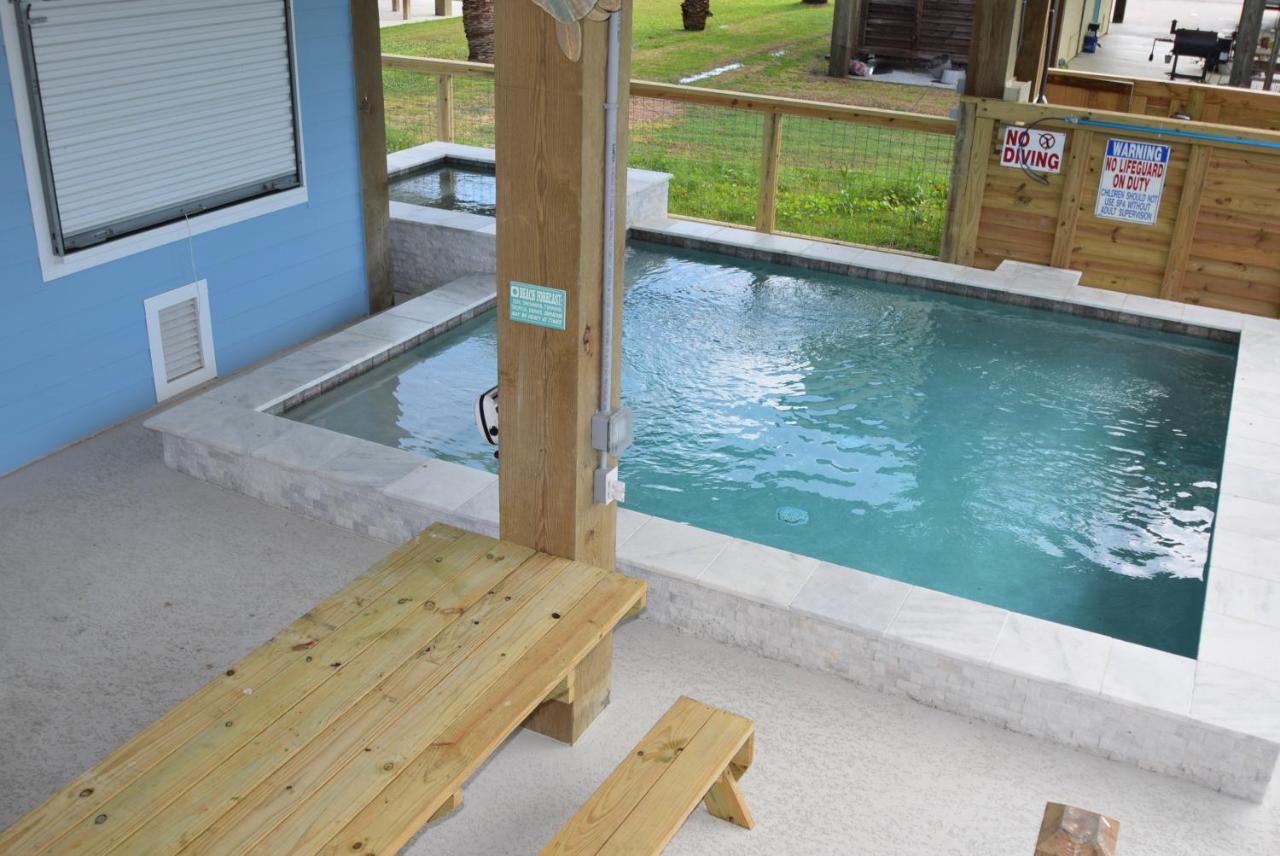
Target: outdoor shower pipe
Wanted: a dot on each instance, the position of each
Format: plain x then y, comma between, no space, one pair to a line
610,221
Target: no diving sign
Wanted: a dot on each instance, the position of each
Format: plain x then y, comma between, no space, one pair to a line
1132,181
1027,148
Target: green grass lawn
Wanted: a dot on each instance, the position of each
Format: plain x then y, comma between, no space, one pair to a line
854,183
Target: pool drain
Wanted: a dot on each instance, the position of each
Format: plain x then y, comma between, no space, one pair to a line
793,516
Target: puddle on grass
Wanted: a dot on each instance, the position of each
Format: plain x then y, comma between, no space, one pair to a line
715,72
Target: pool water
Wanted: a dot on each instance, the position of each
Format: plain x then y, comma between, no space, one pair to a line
1057,466
453,186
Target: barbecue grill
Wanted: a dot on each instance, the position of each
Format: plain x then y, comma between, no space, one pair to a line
1201,44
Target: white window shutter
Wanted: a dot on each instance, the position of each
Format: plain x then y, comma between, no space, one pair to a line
151,110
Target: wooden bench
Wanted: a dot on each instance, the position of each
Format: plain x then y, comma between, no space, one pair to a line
695,753
363,719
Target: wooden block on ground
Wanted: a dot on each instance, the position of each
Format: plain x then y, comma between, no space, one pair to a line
1070,831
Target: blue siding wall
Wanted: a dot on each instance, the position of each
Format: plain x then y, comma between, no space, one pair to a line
73,351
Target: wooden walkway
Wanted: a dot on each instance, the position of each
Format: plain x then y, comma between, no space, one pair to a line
361,720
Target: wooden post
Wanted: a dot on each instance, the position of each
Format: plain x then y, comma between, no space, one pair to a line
444,107
443,8
771,151
1070,831
846,32
550,165
968,177
992,47
1030,62
1247,42
1184,227
371,133
566,715
1074,172
404,4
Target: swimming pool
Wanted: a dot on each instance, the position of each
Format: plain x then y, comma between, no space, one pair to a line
1053,465
451,185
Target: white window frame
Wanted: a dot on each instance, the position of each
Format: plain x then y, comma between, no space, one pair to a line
199,291
54,266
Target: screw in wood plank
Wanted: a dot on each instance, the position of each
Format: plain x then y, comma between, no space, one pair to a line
87,792
100,819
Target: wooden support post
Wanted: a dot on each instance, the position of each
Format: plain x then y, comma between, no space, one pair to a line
550,162
1070,831
992,47
443,8
1074,172
1185,226
371,133
444,107
846,32
587,686
452,804
770,154
968,177
1247,42
1030,62
404,4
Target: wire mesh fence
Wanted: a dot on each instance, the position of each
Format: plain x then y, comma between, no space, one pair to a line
713,156
865,184
868,184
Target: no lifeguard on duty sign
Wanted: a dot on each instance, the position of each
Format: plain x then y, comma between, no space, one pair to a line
1132,181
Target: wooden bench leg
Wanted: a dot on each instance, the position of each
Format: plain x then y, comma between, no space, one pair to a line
724,801
452,804
578,700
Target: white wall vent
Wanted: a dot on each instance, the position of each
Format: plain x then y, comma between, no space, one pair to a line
181,339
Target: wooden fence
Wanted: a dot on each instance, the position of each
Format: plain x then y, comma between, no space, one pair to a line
1223,105
1216,238
773,112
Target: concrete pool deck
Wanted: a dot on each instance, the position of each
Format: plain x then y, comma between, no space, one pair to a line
1214,720
125,585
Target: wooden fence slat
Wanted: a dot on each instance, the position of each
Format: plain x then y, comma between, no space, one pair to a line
1074,172
1185,226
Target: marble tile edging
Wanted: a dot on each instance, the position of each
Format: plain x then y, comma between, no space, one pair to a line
969,658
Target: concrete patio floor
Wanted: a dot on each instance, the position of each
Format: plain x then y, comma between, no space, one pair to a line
124,585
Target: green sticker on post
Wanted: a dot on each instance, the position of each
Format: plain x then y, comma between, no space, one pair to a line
537,305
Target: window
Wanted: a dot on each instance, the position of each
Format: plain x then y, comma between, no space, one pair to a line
150,111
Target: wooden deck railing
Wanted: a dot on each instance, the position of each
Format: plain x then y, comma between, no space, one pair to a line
773,110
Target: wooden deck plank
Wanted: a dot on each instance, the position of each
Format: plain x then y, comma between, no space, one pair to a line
305,671
388,668
593,824
250,813
387,822
328,809
85,795
681,788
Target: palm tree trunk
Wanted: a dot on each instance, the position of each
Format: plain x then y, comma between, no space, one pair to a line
477,22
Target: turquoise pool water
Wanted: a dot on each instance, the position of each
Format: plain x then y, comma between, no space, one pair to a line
452,186
1057,466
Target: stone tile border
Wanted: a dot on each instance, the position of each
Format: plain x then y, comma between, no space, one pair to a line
433,246
1215,720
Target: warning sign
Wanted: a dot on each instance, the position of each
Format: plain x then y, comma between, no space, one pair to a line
1038,151
537,305
1132,181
